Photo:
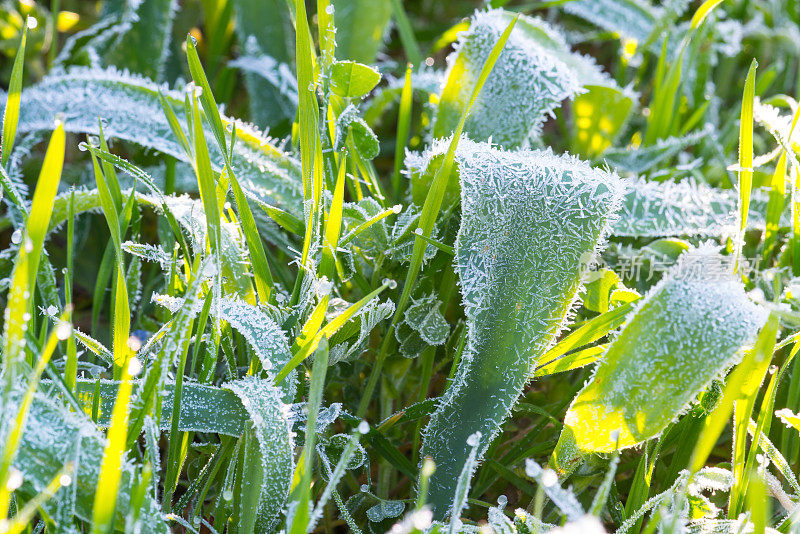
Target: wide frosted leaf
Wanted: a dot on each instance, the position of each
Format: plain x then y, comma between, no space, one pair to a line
131,111
53,436
686,208
632,19
687,331
531,223
527,83
239,406
361,26
260,330
642,159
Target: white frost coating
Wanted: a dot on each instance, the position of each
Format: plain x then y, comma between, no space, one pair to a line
261,332
630,18
526,84
530,221
153,253
130,107
564,499
49,441
370,315
425,317
655,209
687,330
262,400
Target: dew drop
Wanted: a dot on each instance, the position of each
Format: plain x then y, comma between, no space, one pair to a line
63,330
363,427
549,478
14,479
391,284
16,237
227,495
134,366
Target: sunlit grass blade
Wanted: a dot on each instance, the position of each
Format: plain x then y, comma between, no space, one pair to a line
11,112
23,279
745,156
738,386
403,126
703,11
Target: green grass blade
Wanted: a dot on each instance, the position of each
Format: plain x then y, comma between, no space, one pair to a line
745,155
23,279
738,386
11,111
301,490
403,127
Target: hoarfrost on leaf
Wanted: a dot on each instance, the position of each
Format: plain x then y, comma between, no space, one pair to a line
529,218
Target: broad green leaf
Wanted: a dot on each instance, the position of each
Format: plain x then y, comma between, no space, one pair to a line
685,208
54,436
130,107
353,80
527,83
643,159
131,36
686,332
521,256
649,208
361,27
274,446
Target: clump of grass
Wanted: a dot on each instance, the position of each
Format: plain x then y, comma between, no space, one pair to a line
337,326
